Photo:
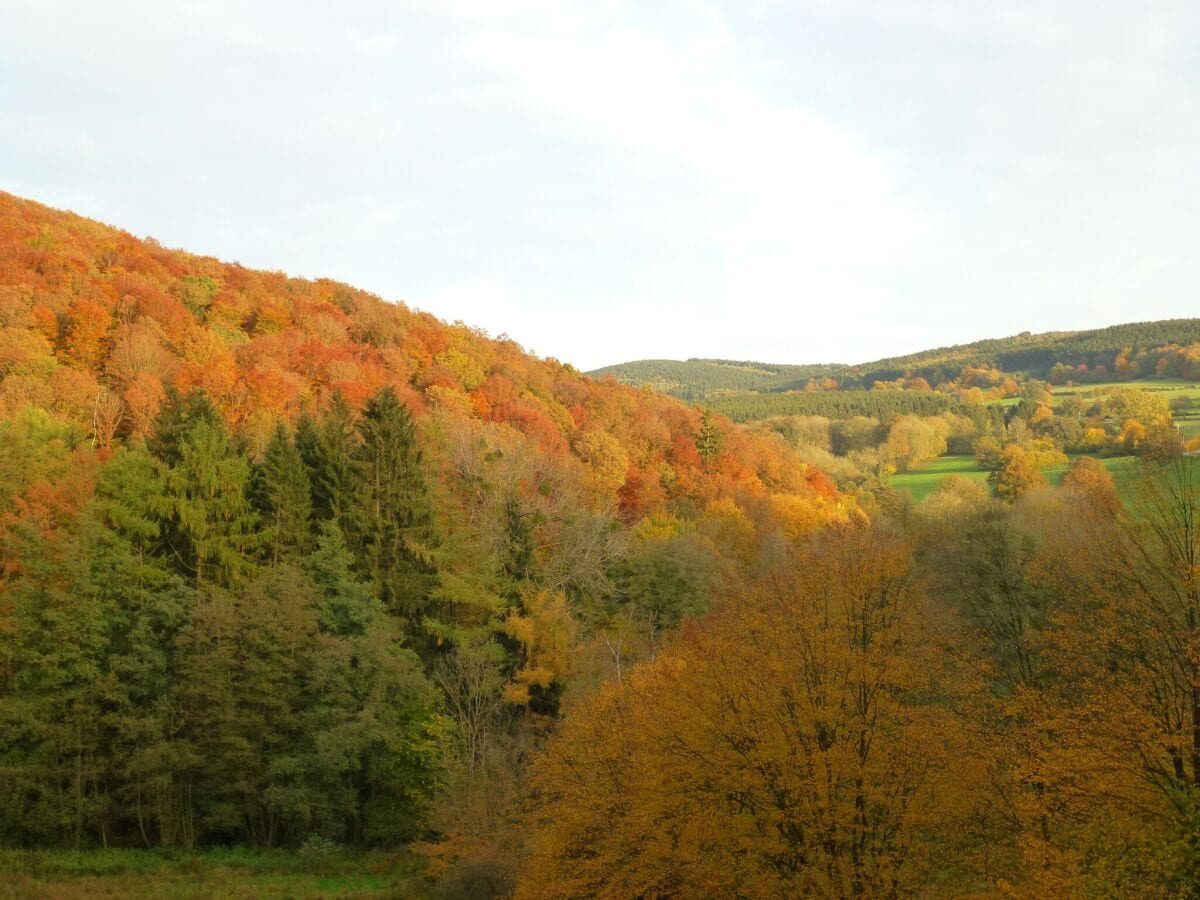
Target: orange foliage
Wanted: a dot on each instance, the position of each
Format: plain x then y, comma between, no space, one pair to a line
137,318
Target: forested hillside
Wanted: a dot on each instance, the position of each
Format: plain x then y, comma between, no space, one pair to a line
292,571
1138,349
279,559
698,379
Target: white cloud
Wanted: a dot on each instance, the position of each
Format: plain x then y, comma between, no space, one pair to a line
798,180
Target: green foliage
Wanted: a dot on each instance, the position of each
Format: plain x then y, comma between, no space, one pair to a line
282,494
159,688
1034,355
33,446
207,517
710,440
325,446
389,526
214,872
839,404
703,379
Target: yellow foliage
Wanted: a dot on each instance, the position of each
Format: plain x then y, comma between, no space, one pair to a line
605,457
516,694
658,526
730,526
546,633
799,516
777,749
450,399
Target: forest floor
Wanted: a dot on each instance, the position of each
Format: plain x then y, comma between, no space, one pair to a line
233,873
923,481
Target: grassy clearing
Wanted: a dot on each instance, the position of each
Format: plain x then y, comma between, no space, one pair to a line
1119,467
214,873
1172,388
925,480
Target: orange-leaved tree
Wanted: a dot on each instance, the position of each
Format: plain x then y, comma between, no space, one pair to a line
802,739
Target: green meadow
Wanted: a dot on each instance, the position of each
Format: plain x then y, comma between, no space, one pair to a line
1172,388
212,873
925,480
921,482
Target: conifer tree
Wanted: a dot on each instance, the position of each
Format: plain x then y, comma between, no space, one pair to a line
325,445
390,528
209,526
710,440
347,606
282,494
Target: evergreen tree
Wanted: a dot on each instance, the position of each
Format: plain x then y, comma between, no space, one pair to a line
178,416
517,563
282,494
325,445
148,606
390,528
52,648
209,526
347,606
711,439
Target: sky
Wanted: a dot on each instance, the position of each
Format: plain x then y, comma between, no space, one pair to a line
800,181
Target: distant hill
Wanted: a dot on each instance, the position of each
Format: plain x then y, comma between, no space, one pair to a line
700,379
1026,354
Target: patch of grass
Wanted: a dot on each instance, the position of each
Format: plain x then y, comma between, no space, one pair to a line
925,480
1119,467
214,873
1172,388
922,482
1090,393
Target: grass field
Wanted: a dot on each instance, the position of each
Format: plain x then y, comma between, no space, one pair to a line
213,873
923,481
1172,388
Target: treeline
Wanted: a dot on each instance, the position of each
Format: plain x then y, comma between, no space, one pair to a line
1031,355
699,379
1168,348
280,561
840,404
199,650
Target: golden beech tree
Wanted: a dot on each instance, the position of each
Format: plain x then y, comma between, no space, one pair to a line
806,738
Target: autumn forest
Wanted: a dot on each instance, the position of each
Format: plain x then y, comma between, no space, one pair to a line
289,572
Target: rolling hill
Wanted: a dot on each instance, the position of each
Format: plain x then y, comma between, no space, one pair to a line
1029,354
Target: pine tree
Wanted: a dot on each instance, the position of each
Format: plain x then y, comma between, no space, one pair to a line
149,605
282,494
517,563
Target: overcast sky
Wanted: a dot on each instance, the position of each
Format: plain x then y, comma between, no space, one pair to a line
802,181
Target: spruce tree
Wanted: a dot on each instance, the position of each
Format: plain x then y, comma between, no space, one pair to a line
282,494
390,527
208,524
710,440
325,446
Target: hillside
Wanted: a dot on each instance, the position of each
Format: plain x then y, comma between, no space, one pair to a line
699,379
1125,351
97,326
281,559
307,592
